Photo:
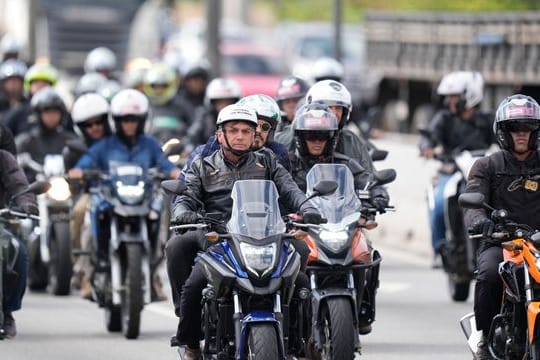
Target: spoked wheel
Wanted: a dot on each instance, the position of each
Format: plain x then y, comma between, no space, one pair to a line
262,343
60,267
338,330
132,295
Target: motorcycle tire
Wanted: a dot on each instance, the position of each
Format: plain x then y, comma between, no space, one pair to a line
38,274
459,289
113,318
132,297
262,342
61,266
338,330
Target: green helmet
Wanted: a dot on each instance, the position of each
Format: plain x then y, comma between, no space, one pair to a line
43,72
164,75
265,107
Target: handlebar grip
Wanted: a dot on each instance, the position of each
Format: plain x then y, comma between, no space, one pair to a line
324,220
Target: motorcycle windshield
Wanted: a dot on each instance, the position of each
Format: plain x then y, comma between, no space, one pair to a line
53,165
127,173
343,201
255,211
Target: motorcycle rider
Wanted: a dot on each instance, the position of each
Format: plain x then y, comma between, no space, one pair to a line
36,78
211,179
101,60
291,90
191,92
509,180
89,83
169,119
129,110
268,116
13,181
315,132
11,79
90,115
49,137
460,126
220,92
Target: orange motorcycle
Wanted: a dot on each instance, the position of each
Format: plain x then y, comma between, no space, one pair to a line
515,331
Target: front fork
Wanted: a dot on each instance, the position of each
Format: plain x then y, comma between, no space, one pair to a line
116,264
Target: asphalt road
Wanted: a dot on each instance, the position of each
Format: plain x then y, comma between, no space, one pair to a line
415,320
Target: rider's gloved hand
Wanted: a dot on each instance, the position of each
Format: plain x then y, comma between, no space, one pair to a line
380,202
312,216
483,226
186,217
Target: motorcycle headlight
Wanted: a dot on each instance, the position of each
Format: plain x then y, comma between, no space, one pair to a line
259,259
59,190
335,241
130,194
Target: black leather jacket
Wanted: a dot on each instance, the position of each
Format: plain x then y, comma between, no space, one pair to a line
456,135
12,181
301,166
509,184
210,179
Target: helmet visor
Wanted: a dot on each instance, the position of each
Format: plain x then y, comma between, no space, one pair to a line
521,126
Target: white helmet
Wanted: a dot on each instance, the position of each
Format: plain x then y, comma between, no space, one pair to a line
467,84
330,92
236,112
129,102
10,45
327,68
87,106
100,59
222,88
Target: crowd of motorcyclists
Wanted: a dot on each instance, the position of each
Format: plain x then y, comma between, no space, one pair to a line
226,137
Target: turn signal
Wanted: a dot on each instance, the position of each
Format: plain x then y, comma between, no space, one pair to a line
212,236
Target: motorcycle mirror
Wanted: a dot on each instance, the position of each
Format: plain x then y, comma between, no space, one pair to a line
378,155
325,187
37,187
471,200
174,187
175,149
77,146
385,176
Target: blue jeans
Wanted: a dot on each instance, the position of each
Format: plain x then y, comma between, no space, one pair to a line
436,215
14,294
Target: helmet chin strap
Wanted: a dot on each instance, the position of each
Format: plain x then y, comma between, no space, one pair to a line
230,149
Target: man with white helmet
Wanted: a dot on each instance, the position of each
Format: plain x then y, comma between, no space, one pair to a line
458,126
211,179
90,116
101,60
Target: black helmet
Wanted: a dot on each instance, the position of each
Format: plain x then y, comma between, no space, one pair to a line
47,98
318,122
517,110
291,87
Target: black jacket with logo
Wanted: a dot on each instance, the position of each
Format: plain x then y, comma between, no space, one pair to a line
509,184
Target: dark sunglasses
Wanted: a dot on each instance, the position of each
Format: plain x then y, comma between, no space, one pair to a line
126,119
89,124
521,126
316,135
265,127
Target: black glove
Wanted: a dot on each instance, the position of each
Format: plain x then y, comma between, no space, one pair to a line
380,203
312,217
483,226
186,217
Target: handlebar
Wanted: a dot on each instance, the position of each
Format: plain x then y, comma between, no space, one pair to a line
3,212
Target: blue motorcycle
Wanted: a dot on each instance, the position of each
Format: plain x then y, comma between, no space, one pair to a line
251,276
125,217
